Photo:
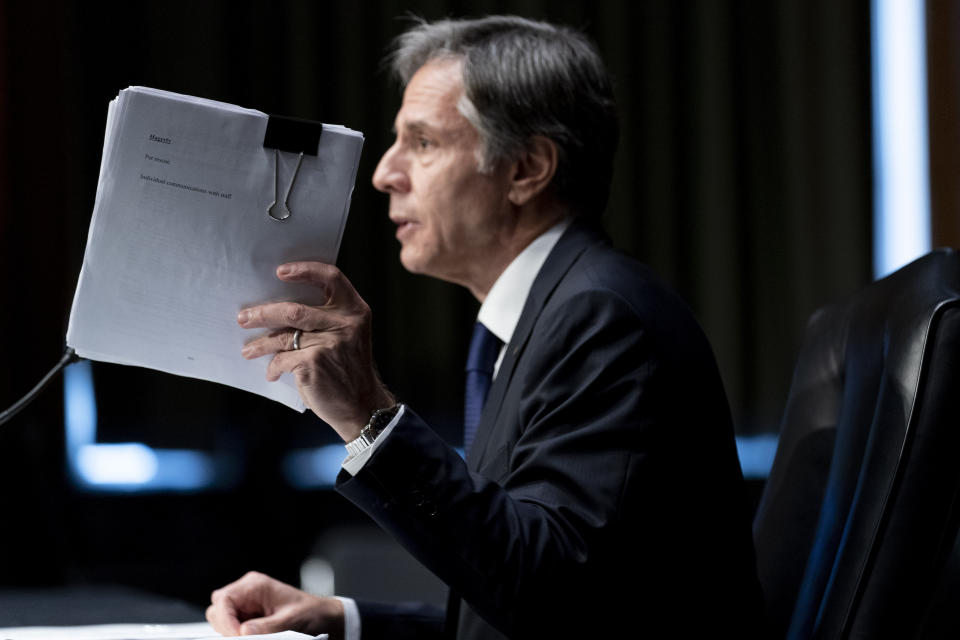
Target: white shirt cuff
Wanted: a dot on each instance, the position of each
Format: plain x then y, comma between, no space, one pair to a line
351,618
353,464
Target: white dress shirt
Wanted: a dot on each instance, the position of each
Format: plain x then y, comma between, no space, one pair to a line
500,311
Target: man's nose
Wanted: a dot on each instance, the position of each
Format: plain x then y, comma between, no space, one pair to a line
390,176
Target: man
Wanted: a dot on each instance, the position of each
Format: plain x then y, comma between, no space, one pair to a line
601,494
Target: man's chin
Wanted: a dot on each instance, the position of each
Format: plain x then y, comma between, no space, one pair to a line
416,264
410,262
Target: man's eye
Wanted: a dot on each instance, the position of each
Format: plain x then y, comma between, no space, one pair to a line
423,143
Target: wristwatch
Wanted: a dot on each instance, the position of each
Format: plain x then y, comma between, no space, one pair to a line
378,422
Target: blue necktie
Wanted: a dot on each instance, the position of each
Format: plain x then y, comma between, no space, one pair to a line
484,349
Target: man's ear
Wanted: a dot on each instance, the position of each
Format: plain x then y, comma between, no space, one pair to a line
532,170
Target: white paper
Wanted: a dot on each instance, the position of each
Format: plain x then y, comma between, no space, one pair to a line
180,239
187,631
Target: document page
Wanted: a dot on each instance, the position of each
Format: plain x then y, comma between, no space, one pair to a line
181,239
187,631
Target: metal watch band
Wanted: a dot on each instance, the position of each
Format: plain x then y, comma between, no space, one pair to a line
377,423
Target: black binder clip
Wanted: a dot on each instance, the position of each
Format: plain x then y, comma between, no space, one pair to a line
291,135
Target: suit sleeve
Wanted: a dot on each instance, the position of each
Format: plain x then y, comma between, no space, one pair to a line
404,621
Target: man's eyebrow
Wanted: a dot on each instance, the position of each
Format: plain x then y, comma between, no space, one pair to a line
414,126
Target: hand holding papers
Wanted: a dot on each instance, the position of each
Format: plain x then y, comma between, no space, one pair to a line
194,211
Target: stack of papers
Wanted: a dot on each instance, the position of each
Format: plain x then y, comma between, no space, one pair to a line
188,631
192,216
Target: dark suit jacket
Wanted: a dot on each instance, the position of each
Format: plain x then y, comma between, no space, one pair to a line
602,496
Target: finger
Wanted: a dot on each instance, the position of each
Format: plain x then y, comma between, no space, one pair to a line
289,362
304,360
283,315
265,625
228,602
274,342
326,276
279,365
223,619
281,340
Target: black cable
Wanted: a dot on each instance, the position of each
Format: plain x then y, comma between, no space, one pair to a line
69,356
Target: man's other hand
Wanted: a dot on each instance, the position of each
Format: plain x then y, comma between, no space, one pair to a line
333,366
258,604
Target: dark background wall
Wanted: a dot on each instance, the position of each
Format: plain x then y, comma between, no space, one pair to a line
743,177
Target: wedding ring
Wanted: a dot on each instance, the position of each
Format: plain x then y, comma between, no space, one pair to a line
296,339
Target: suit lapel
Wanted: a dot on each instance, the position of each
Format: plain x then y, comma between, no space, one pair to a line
568,248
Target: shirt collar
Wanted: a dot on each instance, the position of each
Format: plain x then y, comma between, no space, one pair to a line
501,309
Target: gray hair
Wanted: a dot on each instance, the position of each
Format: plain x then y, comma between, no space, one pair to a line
524,78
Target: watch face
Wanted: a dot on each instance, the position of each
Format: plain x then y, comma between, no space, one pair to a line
382,417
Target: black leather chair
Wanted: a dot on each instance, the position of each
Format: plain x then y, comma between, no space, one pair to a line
856,527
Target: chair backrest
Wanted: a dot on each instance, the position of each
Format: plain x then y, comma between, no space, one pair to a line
860,513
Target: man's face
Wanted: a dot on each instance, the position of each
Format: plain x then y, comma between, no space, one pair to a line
451,219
